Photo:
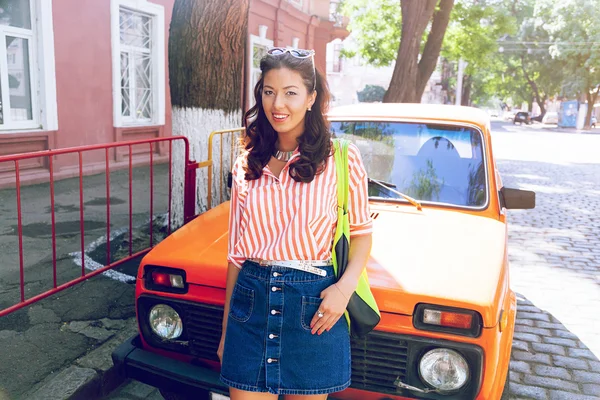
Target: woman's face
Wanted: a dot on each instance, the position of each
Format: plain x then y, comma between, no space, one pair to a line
285,100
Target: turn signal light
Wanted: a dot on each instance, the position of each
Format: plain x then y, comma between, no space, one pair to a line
168,280
449,319
454,320
165,279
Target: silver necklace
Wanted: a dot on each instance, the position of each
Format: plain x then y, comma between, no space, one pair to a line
283,155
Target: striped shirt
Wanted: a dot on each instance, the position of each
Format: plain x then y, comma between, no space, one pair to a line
277,218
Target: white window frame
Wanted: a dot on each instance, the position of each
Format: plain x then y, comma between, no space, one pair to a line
297,3
42,74
261,42
337,59
157,13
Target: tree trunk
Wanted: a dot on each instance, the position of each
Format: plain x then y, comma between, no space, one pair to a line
207,42
534,88
431,52
206,48
591,100
466,91
415,17
542,105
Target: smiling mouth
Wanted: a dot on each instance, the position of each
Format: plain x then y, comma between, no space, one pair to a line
279,117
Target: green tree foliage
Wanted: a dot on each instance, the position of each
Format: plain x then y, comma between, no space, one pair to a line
410,32
371,93
574,27
550,47
474,28
376,26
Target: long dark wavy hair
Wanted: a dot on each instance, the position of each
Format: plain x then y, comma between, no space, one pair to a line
314,144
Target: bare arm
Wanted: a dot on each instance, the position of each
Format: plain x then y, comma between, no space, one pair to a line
232,275
336,297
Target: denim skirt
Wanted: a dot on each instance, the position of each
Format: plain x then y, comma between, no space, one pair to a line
268,344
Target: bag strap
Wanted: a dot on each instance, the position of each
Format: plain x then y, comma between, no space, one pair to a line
341,166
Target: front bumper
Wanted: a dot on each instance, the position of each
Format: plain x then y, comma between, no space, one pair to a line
134,362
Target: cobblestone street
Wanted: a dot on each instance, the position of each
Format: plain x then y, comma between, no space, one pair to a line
555,265
555,262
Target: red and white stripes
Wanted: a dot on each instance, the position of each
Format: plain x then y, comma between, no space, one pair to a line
277,218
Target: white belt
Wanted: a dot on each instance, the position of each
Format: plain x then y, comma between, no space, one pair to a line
302,265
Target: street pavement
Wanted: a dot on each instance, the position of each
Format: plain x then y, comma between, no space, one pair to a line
555,264
555,260
39,341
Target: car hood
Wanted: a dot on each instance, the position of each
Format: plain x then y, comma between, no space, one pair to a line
431,256
437,256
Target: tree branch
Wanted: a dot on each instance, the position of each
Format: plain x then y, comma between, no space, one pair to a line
431,52
415,17
533,85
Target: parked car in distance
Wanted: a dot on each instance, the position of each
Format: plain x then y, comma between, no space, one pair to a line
522,117
550,117
537,118
438,269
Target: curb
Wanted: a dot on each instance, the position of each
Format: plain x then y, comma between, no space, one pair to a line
91,376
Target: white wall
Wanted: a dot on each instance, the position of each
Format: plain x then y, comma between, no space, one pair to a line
354,75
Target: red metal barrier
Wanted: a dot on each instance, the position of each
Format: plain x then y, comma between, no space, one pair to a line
189,191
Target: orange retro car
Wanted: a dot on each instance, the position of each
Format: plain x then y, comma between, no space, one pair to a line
438,269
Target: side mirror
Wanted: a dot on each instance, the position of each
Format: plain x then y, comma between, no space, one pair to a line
517,199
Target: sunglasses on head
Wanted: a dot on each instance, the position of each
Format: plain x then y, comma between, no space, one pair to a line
297,53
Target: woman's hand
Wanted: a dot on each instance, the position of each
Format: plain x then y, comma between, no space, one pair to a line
220,349
332,308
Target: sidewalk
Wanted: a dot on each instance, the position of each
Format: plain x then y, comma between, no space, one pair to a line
60,347
556,128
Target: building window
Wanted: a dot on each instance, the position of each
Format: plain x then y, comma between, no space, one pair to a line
18,107
337,57
258,49
135,31
297,3
138,63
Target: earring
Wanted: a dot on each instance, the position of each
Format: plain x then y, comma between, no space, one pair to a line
309,109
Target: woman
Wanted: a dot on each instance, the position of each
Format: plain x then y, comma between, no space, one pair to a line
282,326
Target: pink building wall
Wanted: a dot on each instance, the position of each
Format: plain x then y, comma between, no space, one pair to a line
83,65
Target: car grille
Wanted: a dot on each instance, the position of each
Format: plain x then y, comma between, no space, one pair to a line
203,325
377,360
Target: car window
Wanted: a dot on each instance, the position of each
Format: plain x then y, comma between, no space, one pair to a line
430,162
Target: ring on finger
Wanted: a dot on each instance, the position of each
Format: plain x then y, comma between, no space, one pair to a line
320,314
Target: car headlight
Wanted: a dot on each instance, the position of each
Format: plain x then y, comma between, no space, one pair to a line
444,369
165,321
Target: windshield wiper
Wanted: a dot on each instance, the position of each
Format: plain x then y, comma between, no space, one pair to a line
389,187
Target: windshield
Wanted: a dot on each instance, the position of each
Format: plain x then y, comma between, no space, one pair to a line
431,163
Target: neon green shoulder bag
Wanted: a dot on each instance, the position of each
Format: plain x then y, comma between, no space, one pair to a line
362,312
